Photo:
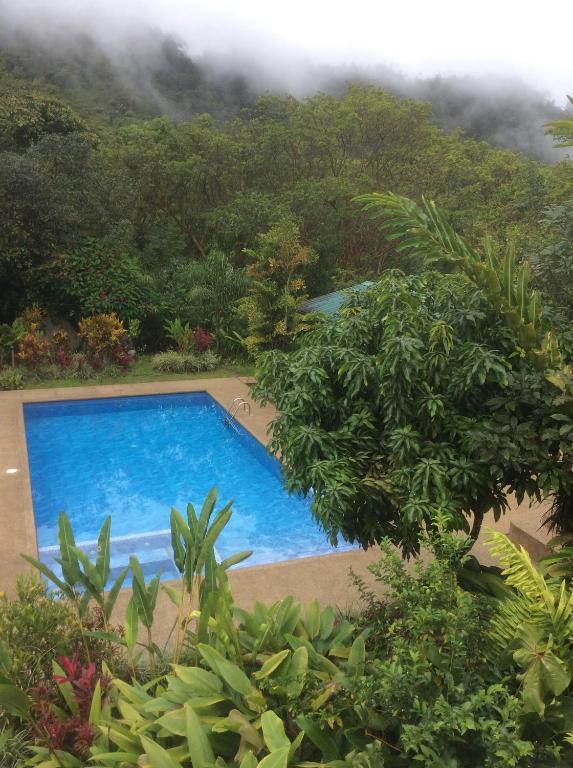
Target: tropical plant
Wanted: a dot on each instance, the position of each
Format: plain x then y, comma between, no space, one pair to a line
181,334
215,287
102,334
417,397
10,337
33,348
35,628
426,233
11,378
82,580
277,268
533,627
185,362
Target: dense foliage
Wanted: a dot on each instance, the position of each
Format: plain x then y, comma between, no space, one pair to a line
426,674
117,219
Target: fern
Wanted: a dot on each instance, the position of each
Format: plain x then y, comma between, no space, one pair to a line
535,623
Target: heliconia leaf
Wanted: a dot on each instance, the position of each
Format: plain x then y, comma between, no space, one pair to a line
249,761
174,594
311,619
66,589
14,700
206,512
274,731
160,758
141,597
180,538
200,750
203,683
278,759
235,559
320,738
231,673
326,623
130,624
103,547
89,577
114,592
95,708
67,544
211,536
272,664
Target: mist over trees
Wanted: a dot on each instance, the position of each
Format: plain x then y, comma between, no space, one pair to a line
144,72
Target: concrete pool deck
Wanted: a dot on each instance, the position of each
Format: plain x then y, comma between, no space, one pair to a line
324,577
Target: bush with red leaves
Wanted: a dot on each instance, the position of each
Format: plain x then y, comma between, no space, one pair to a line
72,733
203,339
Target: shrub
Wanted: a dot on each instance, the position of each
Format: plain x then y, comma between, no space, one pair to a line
101,334
180,333
203,339
34,348
11,378
34,629
96,279
178,362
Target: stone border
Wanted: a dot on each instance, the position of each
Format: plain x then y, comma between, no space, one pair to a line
324,577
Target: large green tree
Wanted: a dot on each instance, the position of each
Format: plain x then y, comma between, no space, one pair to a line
430,392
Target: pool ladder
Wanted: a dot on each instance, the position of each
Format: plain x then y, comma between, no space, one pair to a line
239,403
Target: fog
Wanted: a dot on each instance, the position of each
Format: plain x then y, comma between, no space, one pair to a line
497,70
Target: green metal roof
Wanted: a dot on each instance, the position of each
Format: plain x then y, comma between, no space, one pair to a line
331,303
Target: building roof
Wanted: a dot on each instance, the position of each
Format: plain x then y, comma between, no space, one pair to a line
331,303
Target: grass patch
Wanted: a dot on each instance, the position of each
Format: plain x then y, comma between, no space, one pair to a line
141,371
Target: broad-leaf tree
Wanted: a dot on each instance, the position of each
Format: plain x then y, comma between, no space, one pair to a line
429,392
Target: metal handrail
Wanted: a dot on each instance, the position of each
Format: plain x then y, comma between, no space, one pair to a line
238,403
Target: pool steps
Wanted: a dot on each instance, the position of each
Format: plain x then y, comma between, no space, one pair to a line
153,552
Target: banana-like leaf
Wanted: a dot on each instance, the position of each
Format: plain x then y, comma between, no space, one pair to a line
274,731
130,624
231,673
90,577
103,551
278,759
114,592
319,737
160,758
235,559
64,588
272,664
67,544
200,750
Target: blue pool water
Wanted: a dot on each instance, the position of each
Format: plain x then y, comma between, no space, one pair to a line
136,457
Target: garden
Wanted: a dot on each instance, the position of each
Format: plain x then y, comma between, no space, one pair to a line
410,418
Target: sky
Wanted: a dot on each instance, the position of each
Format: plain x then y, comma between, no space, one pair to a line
523,39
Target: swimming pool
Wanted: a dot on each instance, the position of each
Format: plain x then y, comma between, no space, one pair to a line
135,457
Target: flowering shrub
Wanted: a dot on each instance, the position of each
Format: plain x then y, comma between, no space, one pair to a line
101,334
203,339
34,348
